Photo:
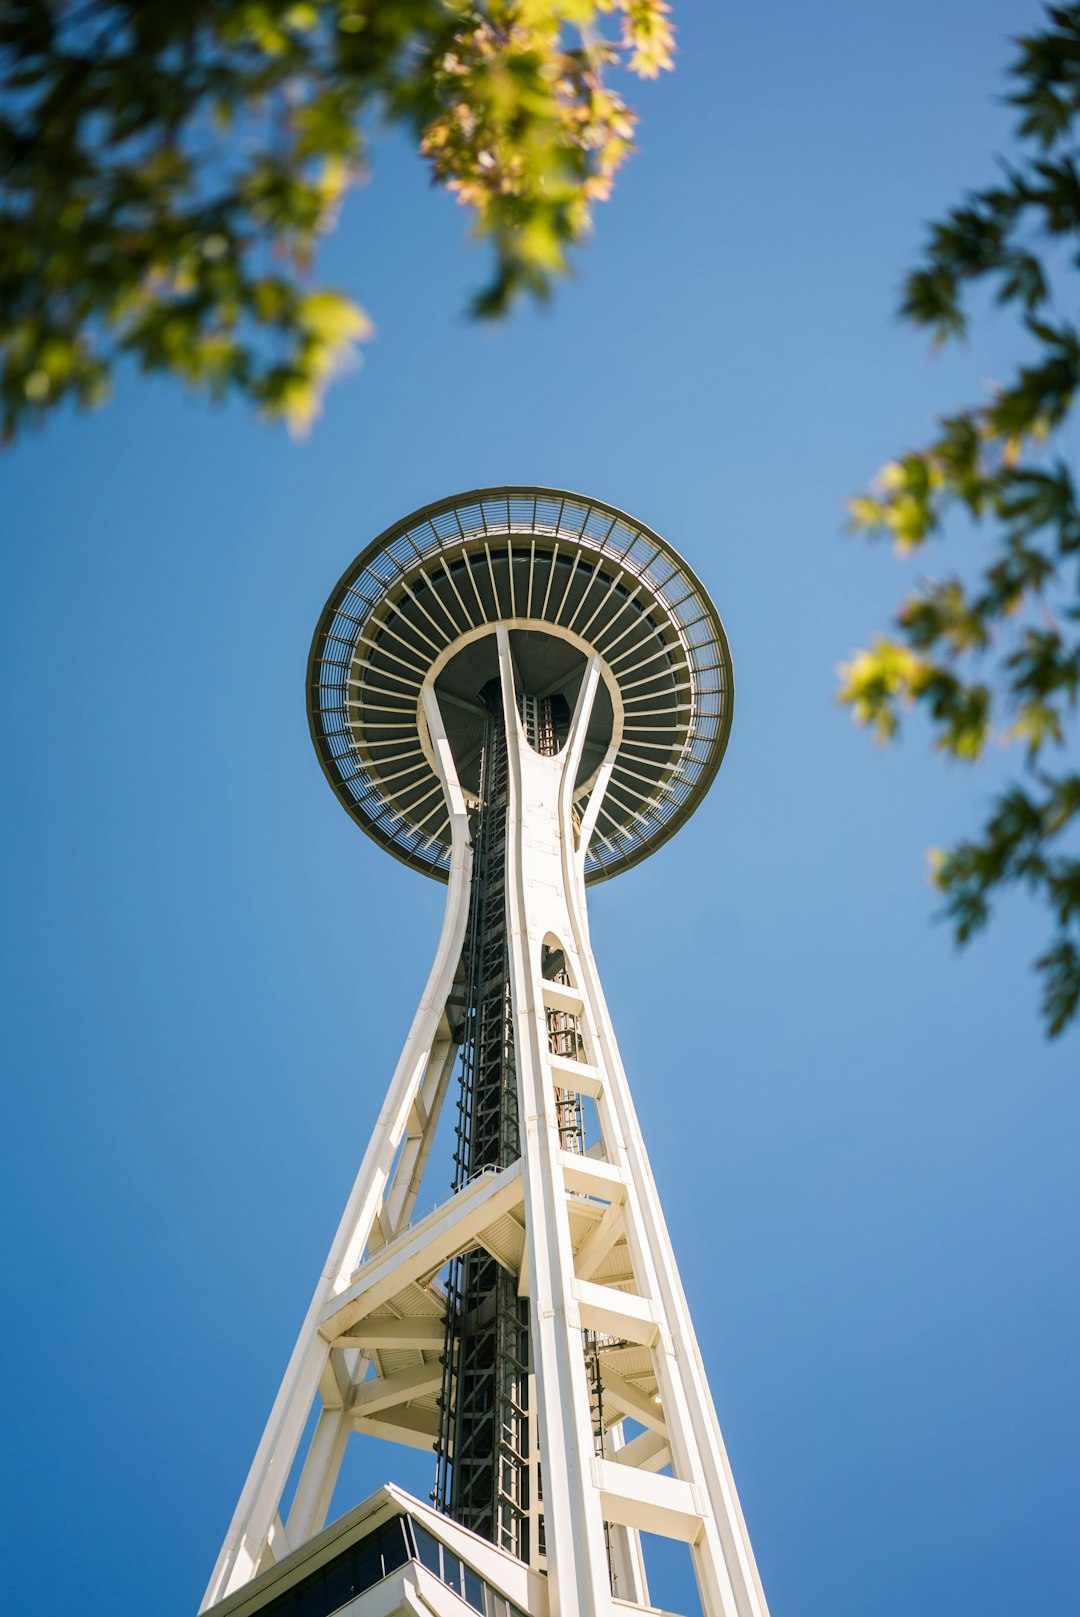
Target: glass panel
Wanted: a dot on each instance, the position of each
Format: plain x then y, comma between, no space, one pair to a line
428,1550
339,1585
312,1602
355,1570
367,1565
394,1550
474,1590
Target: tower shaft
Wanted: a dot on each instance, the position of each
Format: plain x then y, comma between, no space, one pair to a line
487,1475
484,1437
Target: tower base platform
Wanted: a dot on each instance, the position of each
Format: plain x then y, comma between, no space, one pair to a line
393,1555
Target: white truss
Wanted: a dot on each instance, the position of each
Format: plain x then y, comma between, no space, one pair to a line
555,1218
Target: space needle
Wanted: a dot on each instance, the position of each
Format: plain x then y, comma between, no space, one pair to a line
520,692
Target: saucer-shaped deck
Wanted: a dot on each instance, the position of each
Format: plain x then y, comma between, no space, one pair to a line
569,576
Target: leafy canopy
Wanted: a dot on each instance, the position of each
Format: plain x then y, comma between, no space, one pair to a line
996,656
169,168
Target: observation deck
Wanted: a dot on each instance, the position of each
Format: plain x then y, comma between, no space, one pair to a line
569,577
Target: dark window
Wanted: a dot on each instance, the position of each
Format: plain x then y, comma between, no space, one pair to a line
312,1597
452,1571
367,1564
340,1583
395,1551
362,1565
428,1550
474,1590
346,1576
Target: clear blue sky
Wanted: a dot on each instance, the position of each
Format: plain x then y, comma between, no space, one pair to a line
866,1147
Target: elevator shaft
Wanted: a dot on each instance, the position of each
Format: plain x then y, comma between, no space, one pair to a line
483,1449
485,1436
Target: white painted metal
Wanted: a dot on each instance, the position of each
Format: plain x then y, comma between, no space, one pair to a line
245,1547
574,1211
546,900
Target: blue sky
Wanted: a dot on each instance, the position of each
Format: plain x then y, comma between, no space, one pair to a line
866,1147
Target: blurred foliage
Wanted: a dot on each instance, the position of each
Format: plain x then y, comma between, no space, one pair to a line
996,656
168,169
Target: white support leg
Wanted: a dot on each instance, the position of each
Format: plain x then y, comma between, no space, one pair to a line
546,898
322,1463
253,1520
578,1574
724,1564
404,1187
318,1479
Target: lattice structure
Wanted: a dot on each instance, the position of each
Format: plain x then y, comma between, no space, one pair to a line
517,691
484,1448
